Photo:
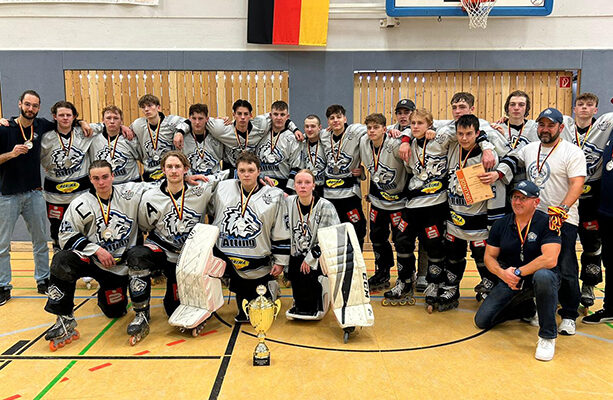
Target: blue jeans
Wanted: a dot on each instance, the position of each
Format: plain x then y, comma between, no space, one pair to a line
503,303
570,294
31,206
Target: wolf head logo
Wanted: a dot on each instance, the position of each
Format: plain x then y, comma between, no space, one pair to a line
237,226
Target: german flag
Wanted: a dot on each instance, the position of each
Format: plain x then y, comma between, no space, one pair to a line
301,22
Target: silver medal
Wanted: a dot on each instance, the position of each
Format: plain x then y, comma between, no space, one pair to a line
423,176
336,170
29,144
376,179
107,234
538,181
67,163
180,227
609,165
271,158
156,157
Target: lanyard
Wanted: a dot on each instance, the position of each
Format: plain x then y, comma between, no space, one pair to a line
23,133
375,157
107,214
311,156
154,142
336,154
302,228
539,166
514,144
178,209
66,150
422,160
199,150
246,202
112,150
579,143
463,162
238,139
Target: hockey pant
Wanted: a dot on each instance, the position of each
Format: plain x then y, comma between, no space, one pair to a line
350,210
381,221
456,261
306,289
589,235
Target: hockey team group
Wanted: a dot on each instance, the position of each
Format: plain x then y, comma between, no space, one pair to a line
123,200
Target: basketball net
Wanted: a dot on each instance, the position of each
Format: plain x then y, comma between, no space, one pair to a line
478,11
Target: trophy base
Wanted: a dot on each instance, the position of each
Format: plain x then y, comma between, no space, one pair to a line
261,361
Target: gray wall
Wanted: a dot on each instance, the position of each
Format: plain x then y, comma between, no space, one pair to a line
317,78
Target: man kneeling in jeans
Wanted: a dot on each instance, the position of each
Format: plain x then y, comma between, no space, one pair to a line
523,252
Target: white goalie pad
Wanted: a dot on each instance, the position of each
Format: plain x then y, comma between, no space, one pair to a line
198,283
342,261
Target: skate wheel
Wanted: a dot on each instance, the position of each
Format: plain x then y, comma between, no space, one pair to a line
403,302
52,346
76,335
412,301
345,337
195,332
61,344
385,302
133,340
68,340
429,308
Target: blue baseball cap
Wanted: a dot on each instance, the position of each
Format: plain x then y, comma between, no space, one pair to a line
527,188
553,114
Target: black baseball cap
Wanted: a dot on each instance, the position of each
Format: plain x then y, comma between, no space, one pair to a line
405,103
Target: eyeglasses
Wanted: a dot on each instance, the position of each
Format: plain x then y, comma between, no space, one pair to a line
521,199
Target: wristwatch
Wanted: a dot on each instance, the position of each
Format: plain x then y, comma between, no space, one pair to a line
517,272
564,207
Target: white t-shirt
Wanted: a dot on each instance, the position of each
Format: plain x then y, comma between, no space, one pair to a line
566,161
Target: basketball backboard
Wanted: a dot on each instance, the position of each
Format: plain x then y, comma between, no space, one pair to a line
434,8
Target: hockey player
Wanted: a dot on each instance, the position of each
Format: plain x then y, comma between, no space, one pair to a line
254,235
467,222
109,144
307,213
312,155
64,158
388,178
591,135
341,145
279,151
168,213
156,133
559,169
203,151
97,229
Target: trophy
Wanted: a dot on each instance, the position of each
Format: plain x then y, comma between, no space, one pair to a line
261,312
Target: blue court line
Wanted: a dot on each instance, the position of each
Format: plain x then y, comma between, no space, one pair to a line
594,337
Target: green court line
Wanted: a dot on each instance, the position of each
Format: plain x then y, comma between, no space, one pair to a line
72,363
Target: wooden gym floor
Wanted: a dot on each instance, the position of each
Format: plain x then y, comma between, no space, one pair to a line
407,354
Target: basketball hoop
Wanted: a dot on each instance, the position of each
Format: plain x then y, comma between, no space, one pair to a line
478,11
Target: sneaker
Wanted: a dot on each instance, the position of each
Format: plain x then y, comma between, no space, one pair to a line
598,317
241,318
545,349
5,295
421,284
533,320
567,327
42,286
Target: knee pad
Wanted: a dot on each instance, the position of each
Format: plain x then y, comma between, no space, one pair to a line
435,271
112,302
65,265
139,260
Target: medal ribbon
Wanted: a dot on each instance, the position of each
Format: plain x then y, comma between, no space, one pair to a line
175,204
579,143
422,160
154,143
105,215
523,239
514,144
311,156
336,154
238,139
375,157
273,142
539,166
200,151
463,162
66,150
244,205
112,150
304,231
23,133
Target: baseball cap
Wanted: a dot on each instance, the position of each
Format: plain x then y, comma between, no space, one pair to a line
405,103
552,114
527,188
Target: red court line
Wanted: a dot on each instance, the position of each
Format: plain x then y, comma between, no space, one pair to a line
177,342
209,332
141,353
64,379
92,369
13,397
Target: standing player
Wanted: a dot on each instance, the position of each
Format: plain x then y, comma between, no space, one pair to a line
313,157
591,136
109,144
341,144
559,169
155,132
279,151
254,234
388,178
467,222
64,158
98,228
169,213
203,151
307,213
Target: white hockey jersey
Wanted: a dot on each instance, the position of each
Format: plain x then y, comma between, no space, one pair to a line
123,154
279,157
204,153
313,158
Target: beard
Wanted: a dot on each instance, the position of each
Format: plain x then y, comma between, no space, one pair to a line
29,115
547,138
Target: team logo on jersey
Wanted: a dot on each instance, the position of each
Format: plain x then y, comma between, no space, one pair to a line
66,164
270,158
436,166
162,147
120,225
179,230
54,293
126,194
239,230
302,236
119,159
341,167
603,125
202,165
532,237
318,168
66,226
386,177
197,190
593,157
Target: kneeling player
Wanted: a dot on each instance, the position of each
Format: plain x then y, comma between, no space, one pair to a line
254,234
97,229
168,213
307,213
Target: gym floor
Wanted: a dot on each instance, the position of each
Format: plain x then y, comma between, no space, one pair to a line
406,354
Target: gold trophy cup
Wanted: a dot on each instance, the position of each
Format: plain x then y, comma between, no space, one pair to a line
262,312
